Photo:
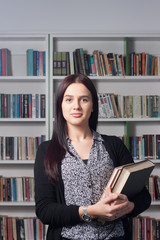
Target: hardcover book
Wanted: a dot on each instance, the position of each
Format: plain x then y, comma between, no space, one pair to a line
130,179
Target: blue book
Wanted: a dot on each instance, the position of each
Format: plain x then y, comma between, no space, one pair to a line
14,105
14,189
132,63
134,147
30,62
37,105
17,106
149,67
37,62
44,63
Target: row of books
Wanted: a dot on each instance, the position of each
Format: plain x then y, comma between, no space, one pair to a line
14,228
17,189
154,187
22,105
95,64
36,62
19,148
145,228
5,62
144,147
118,106
105,64
143,64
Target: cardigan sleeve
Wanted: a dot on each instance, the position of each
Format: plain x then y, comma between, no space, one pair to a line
120,156
49,209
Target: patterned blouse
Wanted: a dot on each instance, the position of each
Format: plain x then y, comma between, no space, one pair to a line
84,185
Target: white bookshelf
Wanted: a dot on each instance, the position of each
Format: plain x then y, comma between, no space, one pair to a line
18,83
21,83
123,85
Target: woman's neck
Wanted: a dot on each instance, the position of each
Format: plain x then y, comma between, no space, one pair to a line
79,134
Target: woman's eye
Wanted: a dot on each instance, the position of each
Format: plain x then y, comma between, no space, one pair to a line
84,100
68,100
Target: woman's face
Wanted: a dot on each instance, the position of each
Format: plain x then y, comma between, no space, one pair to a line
77,105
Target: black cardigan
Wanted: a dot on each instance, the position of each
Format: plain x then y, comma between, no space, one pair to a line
50,203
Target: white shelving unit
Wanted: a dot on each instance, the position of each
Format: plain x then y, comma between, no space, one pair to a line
21,83
18,83
127,85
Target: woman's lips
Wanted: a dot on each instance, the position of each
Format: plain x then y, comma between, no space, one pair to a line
76,115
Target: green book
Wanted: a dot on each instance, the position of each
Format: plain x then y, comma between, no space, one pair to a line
59,63
64,63
55,63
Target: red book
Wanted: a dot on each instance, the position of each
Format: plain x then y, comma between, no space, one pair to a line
143,63
40,63
158,230
10,231
27,196
148,228
7,149
5,105
135,67
40,230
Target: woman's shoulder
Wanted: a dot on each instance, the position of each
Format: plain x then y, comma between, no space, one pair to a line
111,138
44,146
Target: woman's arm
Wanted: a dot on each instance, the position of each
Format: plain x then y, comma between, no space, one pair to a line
120,156
141,200
49,208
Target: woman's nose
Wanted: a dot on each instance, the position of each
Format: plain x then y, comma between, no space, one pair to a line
76,105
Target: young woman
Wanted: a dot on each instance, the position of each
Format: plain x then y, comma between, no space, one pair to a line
72,170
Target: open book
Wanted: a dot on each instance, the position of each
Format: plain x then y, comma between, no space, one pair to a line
130,179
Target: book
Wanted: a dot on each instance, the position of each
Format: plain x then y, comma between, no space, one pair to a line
29,62
130,179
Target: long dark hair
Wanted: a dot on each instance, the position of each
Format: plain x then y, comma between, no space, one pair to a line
58,145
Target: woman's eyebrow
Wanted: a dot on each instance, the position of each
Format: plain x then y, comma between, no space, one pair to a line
68,95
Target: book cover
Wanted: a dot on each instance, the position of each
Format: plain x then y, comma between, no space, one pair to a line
40,63
131,178
29,62
64,63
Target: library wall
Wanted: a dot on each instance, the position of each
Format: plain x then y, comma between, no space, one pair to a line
80,16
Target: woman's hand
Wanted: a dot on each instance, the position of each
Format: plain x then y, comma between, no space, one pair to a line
111,206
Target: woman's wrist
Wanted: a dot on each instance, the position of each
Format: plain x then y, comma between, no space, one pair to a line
90,211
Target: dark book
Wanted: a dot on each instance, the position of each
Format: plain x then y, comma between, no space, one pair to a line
68,67
34,63
64,63
55,63
43,105
75,62
112,63
8,66
25,106
130,179
79,61
59,63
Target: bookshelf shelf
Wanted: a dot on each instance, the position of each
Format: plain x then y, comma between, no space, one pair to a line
155,203
103,120
23,120
23,78
17,204
129,120
118,78
156,161
16,162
